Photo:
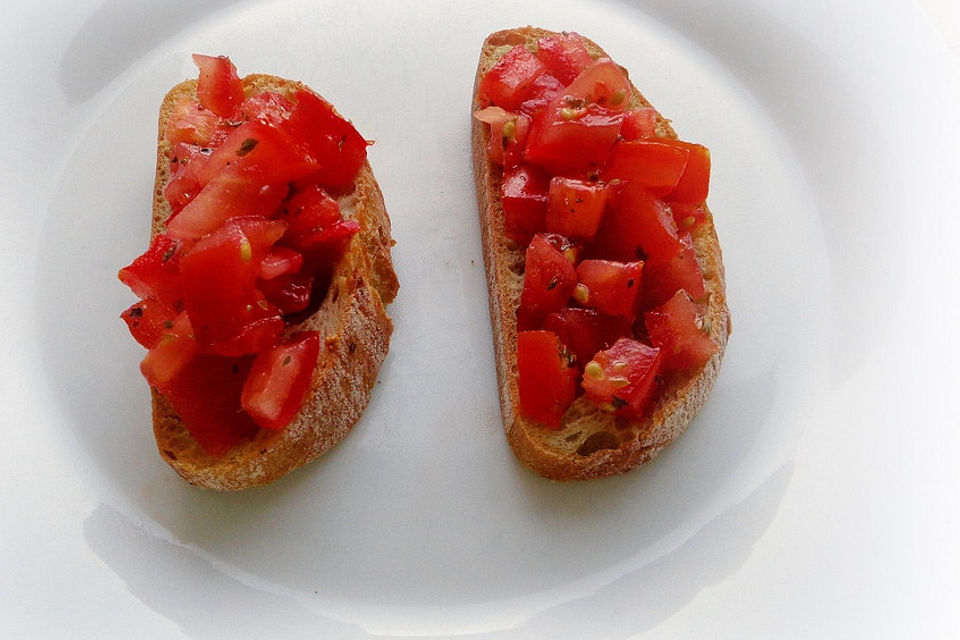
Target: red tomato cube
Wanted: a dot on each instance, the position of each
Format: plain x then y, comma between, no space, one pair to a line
622,379
575,207
547,382
279,380
174,350
262,153
155,273
665,276
545,89
524,194
568,138
694,184
639,123
675,327
218,88
565,55
147,320
508,133
603,84
549,277
192,123
609,287
510,80
655,164
585,331
636,225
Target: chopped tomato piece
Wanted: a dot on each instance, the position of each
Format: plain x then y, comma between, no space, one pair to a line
694,184
545,89
569,138
549,278
639,123
290,292
508,133
622,379
206,396
565,55
585,331
147,319
636,225
575,207
664,276
547,381
279,380
190,122
675,327
186,163
603,84
219,88
655,164
172,352
687,216
280,261
524,193
154,274
267,105
510,80
260,153
315,223
609,287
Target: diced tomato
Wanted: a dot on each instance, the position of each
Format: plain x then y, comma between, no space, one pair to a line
564,54
655,164
186,163
330,139
154,274
664,276
267,105
568,138
219,88
687,216
510,80
524,193
290,292
508,133
604,84
694,184
147,319
206,396
229,194
575,207
190,122
172,352
585,331
315,223
261,153
549,278
636,225
675,327
639,123
609,287
545,89
229,315
279,379
622,379
280,261
547,381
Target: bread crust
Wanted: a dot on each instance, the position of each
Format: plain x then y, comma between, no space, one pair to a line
589,443
352,321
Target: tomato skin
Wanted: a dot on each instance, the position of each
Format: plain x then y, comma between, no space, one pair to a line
508,83
547,382
575,207
570,140
175,349
219,88
674,327
564,55
655,164
523,194
549,278
603,84
585,331
664,276
694,184
155,273
206,396
636,225
545,89
279,380
622,379
610,287
146,319
639,124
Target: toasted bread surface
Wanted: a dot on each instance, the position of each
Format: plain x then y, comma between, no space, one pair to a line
590,442
352,321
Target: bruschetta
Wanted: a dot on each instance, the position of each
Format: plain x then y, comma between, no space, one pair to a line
263,293
605,277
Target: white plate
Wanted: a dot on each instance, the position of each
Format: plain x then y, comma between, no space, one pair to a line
816,496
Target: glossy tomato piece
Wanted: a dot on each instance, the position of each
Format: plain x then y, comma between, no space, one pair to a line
261,153
508,133
332,141
636,225
147,319
622,379
549,277
694,184
155,273
186,163
664,276
569,138
174,350
290,292
316,226
229,315
270,106
545,89
206,396
510,80
219,88
565,55
228,195
639,123
687,216
603,84
280,261
609,287
676,328
524,194
655,164
584,332
191,122
548,384
279,380
575,207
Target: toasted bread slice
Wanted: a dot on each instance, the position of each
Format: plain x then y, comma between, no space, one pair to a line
590,443
352,322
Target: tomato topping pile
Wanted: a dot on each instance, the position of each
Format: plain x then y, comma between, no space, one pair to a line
249,248
605,207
